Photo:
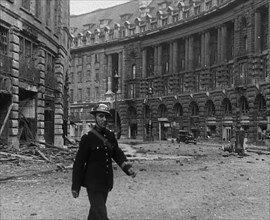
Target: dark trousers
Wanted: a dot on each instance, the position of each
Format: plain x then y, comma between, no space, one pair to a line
98,210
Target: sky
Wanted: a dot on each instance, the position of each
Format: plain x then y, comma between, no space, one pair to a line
84,6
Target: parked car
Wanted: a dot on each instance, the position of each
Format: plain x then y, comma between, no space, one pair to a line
186,137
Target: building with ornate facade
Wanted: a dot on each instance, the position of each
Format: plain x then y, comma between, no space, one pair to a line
199,65
34,64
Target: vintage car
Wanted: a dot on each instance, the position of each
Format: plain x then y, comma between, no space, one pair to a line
186,137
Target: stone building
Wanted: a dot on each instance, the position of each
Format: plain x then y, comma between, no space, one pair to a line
200,65
34,61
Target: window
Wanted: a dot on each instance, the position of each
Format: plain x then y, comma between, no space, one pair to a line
230,41
49,70
162,6
264,28
27,50
132,91
3,40
244,105
88,75
48,12
197,51
80,60
97,76
165,58
80,78
227,107
133,71
181,55
197,10
103,23
96,93
88,93
26,4
71,77
79,95
97,56
208,4
71,96
38,9
213,47
150,61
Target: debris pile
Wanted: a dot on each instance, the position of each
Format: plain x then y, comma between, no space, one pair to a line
62,157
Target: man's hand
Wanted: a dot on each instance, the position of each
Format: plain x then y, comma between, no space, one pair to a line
75,193
132,172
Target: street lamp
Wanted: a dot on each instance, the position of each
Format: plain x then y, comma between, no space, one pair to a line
115,79
148,125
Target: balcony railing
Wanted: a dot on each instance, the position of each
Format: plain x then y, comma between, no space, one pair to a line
5,65
28,72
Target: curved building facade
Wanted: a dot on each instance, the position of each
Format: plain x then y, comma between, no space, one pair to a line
34,61
201,66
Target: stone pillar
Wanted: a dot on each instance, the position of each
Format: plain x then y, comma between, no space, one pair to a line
41,94
144,54
14,114
257,32
59,101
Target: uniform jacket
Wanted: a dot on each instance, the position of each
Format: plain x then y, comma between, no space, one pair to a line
93,163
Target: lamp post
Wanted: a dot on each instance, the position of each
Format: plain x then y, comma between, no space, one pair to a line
149,123
114,90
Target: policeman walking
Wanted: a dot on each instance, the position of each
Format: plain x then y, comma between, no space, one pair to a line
92,168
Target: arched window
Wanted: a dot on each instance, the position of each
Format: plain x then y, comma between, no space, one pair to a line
178,110
227,107
210,108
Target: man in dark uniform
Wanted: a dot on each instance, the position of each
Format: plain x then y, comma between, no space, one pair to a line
93,164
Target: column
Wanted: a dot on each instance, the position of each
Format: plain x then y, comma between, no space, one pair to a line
41,93
59,110
14,114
